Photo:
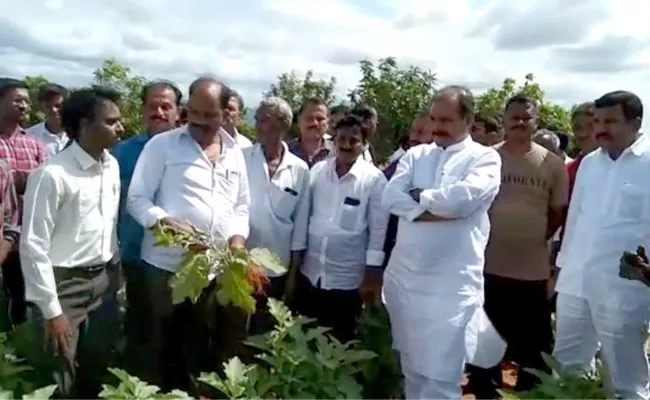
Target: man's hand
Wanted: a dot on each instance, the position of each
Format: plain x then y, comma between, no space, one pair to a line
5,248
176,224
60,333
294,267
370,288
634,266
415,194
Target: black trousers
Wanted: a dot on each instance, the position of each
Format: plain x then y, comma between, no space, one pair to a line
262,321
336,309
13,284
520,312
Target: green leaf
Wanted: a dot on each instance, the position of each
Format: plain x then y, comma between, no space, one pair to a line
42,393
191,279
268,260
234,288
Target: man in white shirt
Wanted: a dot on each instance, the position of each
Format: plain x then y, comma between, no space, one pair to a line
279,190
232,117
195,174
433,283
347,228
68,247
609,213
50,132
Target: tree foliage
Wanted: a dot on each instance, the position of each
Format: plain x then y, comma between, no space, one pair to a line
296,90
397,93
34,85
119,77
551,116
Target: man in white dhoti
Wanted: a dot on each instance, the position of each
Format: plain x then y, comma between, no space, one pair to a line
434,280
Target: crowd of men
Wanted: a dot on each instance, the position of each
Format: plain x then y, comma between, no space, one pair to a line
460,220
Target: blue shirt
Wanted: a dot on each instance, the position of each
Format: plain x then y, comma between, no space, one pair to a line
129,232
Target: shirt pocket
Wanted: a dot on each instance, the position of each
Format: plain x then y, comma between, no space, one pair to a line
89,203
283,201
633,203
350,214
227,181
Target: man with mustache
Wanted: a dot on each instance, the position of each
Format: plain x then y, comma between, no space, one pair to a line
24,154
50,132
347,227
280,200
609,214
370,119
527,212
68,247
232,117
433,284
160,104
312,145
195,174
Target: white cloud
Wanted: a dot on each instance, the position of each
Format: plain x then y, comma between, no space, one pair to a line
605,46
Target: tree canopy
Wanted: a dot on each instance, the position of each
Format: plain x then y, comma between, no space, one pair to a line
398,93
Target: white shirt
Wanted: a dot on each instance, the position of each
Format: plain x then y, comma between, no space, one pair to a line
69,220
609,213
461,182
174,178
396,155
241,140
279,210
53,142
347,226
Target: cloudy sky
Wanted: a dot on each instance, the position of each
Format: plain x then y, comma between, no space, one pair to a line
576,49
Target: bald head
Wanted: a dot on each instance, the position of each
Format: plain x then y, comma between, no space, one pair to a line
206,105
461,96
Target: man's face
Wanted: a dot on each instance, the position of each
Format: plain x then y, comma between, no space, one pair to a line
232,116
479,133
267,125
583,131
370,125
548,144
160,112
420,132
314,121
52,109
106,128
447,125
349,144
520,120
204,112
611,127
15,106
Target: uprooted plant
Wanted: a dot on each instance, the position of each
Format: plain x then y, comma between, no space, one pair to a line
239,275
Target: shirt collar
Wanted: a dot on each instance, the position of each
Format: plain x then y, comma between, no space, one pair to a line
85,160
142,137
356,170
227,141
459,145
286,156
640,145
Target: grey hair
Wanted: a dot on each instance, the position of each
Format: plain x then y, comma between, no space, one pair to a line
549,135
280,107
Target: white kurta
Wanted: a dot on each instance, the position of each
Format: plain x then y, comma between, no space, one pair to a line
434,280
608,214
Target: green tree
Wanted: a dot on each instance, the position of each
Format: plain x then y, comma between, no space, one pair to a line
119,77
551,116
245,127
398,94
34,84
296,90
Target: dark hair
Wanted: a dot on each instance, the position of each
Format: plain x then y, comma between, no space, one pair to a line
224,96
7,84
240,100
340,109
352,121
465,99
313,101
586,108
564,140
163,84
364,111
50,91
84,104
521,98
491,122
630,103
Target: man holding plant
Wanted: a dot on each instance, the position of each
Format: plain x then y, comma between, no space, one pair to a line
193,175
433,283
